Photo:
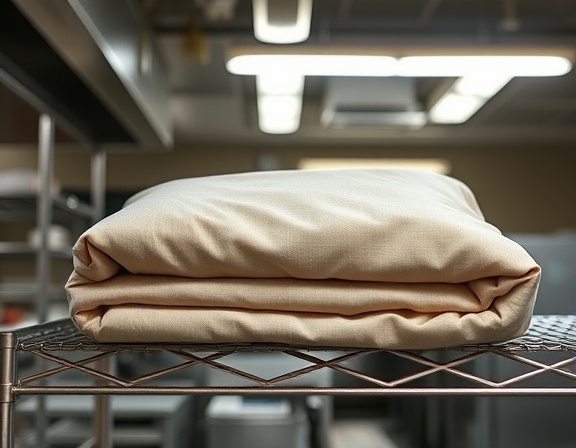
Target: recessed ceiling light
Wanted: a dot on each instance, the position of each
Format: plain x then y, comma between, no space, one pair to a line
282,21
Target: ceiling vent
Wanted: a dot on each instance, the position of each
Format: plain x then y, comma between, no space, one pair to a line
370,102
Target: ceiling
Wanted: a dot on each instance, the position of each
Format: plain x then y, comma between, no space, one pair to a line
211,106
66,68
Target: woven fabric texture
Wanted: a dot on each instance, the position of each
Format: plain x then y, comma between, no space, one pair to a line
380,258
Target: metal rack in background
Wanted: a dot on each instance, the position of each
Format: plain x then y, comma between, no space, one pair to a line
44,208
67,350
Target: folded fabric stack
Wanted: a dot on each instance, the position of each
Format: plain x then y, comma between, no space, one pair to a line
383,258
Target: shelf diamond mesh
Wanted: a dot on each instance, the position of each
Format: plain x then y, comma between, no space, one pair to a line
548,349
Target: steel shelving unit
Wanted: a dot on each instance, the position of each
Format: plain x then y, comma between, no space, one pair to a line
67,350
44,209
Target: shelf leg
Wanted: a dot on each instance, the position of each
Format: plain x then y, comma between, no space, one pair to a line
7,401
44,212
44,218
103,421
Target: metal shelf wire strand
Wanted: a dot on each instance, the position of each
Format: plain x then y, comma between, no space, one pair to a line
66,350
555,335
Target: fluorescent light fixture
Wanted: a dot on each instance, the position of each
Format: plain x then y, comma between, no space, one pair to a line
313,65
483,85
279,102
466,96
476,65
453,108
441,166
282,21
411,66
480,76
280,83
279,114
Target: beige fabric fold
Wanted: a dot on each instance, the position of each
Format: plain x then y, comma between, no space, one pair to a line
382,258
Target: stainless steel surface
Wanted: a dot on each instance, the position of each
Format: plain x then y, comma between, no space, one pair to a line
106,44
547,334
364,391
103,421
55,371
37,80
8,374
56,59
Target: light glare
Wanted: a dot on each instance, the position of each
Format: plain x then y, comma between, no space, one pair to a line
453,108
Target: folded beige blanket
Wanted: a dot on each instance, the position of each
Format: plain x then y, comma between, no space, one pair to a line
357,258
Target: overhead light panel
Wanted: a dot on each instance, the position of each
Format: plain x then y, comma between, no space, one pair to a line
411,66
279,114
466,96
453,108
512,65
279,102
483,85
282,21
313,65
480,76
280,83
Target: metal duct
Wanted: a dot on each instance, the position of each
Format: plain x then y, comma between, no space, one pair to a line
104,48
372,102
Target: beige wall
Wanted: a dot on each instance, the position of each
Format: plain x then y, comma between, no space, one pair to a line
520,190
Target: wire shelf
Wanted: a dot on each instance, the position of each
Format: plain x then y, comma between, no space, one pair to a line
548,349
546,333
